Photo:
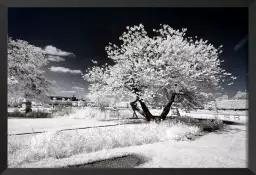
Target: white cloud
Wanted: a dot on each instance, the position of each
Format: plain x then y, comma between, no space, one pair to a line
55,58
64,70
51,50
71,92
78,88
54,54
38,49
241,43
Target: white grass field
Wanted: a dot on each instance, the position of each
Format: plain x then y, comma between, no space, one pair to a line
65,144
89,117
224,149
17,126
30,150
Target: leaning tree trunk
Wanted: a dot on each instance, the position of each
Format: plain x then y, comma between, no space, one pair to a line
135,107
144,112
167,108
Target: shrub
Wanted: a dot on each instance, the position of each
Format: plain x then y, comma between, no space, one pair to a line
91,113
14,145
181,132
33,114
63,112
38,114
206,125
210,108
211,125
186,120
97,114
16,113
56,144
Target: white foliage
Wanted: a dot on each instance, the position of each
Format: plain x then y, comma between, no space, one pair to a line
241,96
144,66
223,97
25,74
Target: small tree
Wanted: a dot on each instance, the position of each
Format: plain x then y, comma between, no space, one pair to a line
25,71
169,66
15,102
223,97
241,96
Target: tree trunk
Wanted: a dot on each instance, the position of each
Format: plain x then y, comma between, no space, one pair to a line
167,107
28,107
135,107
134,115
146,111
178,112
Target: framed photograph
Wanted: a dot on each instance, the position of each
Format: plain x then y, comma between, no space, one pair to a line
127,87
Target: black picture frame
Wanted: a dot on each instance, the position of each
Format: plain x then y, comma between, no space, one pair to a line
250,4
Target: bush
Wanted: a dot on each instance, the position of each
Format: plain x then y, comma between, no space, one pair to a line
186,120
33,114
210,108
15,144
206,125
16,113
63,112
97,114
38,114
211,125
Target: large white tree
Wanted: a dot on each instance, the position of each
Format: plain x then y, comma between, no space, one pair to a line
26,78
168,66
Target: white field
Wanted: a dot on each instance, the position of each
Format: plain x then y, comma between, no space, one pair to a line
224,149
212,150
89,117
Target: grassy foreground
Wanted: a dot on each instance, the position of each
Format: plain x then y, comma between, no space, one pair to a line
59,144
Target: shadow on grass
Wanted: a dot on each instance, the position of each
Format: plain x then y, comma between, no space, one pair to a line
127,161
233,123
228,129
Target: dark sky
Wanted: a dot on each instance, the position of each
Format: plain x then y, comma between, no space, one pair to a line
86,31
